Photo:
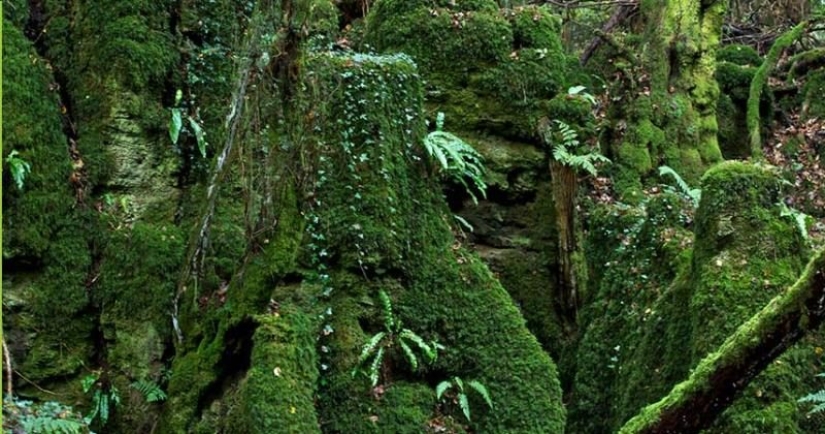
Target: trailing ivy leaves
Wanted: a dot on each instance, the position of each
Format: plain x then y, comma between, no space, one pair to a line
18,167
460,393
176,126
457,158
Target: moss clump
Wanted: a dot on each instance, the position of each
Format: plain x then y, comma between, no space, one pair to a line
378,223
738,54
278,392
489,70
653,238
746,253
31,126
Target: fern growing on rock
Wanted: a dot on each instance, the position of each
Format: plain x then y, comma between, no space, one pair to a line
374,352
459,393
150,391
457,159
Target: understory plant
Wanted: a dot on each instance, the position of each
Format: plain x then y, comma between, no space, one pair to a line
393,337
18,168
20,415
150,390
454,389
693,194
816,398
104,399
456,158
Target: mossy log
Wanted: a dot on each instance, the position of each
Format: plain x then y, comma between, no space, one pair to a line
694,404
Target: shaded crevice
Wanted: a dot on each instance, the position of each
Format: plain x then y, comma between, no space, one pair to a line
235,361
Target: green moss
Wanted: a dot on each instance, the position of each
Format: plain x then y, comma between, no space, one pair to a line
812,91
278,391
31,126
739,54
624,305
745,254
487,69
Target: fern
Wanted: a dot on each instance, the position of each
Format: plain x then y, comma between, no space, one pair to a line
150,390
817,398
569,141
18,167
457,158
393,336
694,194
49,425
799,217
460,393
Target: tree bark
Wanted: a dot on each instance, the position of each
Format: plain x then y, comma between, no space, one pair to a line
564,185
694,404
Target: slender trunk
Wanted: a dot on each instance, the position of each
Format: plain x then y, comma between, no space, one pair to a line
564,184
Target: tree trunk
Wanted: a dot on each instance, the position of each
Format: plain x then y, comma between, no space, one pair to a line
694,404
668,112
564,185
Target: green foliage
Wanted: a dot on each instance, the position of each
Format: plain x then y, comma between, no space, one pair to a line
458,159
176,126
815,398
18,167
104,400
394,335
564,150
694,194
41,418
799,217
460,393
150,390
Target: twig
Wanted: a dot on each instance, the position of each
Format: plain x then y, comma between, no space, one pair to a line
7,358
35,384
618,17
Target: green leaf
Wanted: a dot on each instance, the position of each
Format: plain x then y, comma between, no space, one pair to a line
482,391
87,382
465,405
459,383
376,366
389,318
18,167
439,121
411,358
441,388
199,135
175,125
370,347
428,351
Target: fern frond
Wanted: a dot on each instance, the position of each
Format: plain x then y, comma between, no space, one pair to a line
408,353
441,388
150,391
50,425
465,405
389,318
426,348
369,348
694,194
818,397
376,366
482,391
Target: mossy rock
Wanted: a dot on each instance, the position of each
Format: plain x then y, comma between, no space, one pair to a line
491,70
746,253
31,127
739,54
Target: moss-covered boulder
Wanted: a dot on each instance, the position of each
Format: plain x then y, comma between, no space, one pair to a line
487,69
746,253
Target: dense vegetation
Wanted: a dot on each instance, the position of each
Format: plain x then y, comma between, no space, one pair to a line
413,216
